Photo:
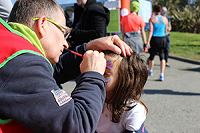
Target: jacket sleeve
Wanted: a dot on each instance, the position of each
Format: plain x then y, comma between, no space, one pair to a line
30,96
68,66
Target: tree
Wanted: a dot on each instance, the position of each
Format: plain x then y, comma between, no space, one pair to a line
197,2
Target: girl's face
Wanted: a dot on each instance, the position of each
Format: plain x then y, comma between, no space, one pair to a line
111,74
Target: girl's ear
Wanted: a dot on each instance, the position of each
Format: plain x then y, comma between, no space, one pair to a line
42,26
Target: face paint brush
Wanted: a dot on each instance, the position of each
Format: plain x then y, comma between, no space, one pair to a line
74,52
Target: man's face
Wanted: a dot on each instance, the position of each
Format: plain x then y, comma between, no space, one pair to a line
54,41
81,2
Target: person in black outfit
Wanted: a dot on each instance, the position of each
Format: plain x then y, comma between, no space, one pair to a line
90,22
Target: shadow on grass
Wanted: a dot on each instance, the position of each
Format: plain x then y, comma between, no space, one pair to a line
185,60
192,69
185,45
170,92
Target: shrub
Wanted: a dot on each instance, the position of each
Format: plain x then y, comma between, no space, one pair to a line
187,20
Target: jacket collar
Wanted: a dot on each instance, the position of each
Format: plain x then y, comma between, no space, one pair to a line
89,2
28,34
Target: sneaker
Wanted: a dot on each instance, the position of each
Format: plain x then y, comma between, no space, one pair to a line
150,73
167,65
161,78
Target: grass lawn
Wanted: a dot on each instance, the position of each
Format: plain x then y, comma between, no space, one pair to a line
186,45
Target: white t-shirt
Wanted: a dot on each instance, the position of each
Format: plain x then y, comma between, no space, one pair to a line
130,120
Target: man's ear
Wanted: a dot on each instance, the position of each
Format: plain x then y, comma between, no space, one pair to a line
42,26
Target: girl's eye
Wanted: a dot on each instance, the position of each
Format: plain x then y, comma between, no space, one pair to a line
105,74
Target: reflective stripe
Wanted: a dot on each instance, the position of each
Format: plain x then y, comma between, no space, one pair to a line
5,121
22,52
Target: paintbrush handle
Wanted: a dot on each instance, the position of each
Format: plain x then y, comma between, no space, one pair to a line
74,53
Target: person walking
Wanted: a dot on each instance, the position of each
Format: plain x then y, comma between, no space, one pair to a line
31,69
157,42
164,13
131,24
90,22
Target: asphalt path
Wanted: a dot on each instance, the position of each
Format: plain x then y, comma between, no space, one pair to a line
174,104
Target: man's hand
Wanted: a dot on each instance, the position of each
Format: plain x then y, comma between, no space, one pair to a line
107,43
93,61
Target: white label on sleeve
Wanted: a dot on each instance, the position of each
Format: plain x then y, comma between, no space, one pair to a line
61,97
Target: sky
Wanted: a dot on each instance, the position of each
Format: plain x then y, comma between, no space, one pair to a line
65,1
59,1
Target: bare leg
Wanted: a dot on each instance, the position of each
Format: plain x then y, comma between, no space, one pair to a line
151,64
162,66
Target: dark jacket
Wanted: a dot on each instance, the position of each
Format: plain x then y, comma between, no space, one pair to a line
30,97
89,23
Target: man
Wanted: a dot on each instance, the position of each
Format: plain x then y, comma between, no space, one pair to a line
164,13
90,22
30,99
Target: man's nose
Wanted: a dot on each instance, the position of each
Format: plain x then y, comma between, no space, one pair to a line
66,45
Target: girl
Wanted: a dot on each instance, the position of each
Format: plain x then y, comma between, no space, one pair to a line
123,111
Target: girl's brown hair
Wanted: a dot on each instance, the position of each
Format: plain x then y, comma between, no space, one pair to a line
132,76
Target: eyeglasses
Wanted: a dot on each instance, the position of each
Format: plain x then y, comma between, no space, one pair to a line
66,29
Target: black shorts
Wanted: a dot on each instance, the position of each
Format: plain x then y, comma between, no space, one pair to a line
158,44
